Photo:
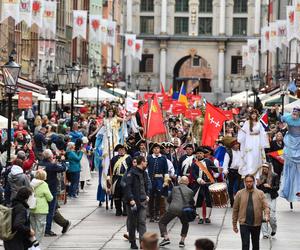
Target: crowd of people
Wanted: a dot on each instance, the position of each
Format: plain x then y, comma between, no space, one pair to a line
167,177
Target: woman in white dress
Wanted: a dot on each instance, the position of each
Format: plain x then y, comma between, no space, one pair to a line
85,173
253,140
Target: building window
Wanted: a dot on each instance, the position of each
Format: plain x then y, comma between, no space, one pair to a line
146,64
236,65
182,6
181,25
147,25
205,6
240,6
239,26
196,61
205,25
147,5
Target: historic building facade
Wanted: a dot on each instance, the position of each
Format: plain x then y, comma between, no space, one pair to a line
198,42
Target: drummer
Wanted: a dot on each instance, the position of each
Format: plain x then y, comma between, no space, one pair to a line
203,175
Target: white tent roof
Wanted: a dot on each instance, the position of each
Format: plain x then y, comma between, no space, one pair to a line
289,107
3,122
91,94
242,97
123,92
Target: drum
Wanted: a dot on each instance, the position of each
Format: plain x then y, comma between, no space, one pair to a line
219,194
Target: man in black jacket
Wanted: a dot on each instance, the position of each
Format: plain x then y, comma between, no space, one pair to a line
52,168
137,196
269,184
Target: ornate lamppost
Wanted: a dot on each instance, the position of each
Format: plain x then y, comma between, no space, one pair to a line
62,78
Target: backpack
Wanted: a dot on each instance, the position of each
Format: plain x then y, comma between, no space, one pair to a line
6,223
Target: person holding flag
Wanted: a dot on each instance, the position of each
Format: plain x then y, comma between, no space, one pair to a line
253,140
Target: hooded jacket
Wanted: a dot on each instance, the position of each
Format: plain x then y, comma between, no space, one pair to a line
16,180
42,195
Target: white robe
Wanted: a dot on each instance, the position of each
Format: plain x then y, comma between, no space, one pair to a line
252,148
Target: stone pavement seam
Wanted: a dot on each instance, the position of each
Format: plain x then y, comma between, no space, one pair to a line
112,237
221,227
74,225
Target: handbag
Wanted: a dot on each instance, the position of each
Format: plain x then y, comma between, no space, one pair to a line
188,212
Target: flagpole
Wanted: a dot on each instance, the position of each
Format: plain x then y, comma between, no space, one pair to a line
150,102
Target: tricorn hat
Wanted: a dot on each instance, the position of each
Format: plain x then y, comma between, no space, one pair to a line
119,146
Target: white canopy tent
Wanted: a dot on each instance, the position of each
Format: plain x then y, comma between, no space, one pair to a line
90,94
3,122
241,97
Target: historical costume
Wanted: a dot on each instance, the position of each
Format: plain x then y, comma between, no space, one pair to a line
158,173
118,166
185,161
202,176
253,140
290,185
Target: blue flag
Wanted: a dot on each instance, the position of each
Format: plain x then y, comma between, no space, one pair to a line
292,87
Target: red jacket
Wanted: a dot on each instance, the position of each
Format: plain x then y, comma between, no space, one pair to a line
27,164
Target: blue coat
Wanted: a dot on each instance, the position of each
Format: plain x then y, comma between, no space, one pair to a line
74,159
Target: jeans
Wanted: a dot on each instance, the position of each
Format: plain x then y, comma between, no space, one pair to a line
246,231
52,208
74,179
234,179
273,221
154,203
136,221
166,218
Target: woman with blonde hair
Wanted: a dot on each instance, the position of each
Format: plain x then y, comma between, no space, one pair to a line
38,214
37,124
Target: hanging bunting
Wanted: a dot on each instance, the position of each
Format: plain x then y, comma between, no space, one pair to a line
245,55
111,32
138,49
10,8
104,31
265,39
25,11
49,17
253,47
290,18
79,23
297,19
130,45
37,13
273,37
95,27
281,32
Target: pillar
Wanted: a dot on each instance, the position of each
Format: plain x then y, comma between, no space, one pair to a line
221,69
222,17
257,14
129,16
163,28
163,65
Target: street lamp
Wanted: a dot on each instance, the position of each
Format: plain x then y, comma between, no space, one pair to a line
62,78
149,80
247,85
50,86
128,82
10,72
113,79
137,84
283,88
97,78
74,74
231,86
255,82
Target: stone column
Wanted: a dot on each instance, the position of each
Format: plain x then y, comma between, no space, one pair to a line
129,30
129,16
221,68
163,26
257,14
163,63
222,17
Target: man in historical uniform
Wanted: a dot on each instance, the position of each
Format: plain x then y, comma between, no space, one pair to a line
185,161
203,173
118,166
158,173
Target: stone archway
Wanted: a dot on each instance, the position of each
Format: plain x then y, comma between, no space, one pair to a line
195,72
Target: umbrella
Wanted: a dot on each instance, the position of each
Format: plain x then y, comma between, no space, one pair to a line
278,100
3,122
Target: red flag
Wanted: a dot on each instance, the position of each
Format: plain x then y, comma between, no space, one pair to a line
278,155
193,113
162,90
228,114
143,111
178,107
213,123
155,120
235,111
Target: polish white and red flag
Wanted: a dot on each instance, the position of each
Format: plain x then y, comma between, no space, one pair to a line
130,40
138,49
265,39
95,28
281,34
37,12
290,18
49,18
25,11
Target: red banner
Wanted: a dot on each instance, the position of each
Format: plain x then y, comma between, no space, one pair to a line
193,113
25,100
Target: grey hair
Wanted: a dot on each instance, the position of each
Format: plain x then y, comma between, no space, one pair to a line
47,153
70,145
